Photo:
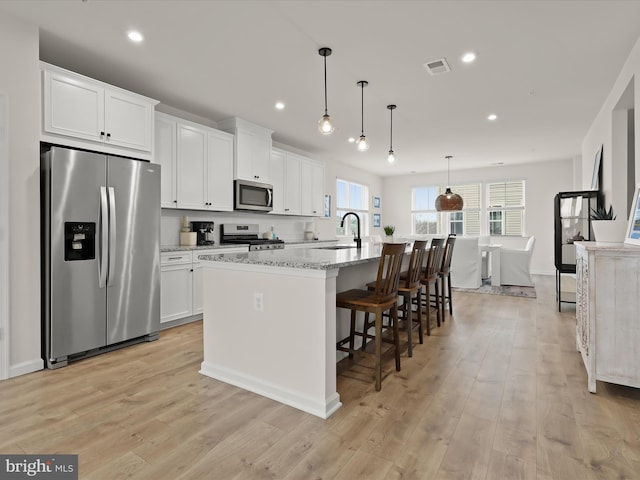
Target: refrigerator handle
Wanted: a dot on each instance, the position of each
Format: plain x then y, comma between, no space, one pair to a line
104,228
112,235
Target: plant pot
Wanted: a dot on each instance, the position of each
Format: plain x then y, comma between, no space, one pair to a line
608,231
388,239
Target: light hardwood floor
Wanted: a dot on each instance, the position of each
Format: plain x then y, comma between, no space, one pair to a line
498,392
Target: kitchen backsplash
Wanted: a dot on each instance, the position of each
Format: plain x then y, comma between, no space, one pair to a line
286,228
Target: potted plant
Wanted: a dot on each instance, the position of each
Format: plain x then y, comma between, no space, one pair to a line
604,227
388,231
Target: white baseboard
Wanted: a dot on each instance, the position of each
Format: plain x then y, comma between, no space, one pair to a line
322,408
26,367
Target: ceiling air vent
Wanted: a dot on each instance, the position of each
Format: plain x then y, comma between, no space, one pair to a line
436,67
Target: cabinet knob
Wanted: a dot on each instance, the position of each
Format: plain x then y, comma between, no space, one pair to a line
108,136
102,134
175,201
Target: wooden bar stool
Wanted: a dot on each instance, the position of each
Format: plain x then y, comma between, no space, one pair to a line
445,274
429,278
409,287
383,298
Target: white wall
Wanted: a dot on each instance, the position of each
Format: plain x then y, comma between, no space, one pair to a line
20,81
601,132
543,181
333,171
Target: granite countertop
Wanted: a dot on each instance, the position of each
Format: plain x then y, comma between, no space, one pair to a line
177,248
309,258
310,242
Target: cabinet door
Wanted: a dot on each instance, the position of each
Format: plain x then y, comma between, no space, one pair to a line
73,107
192,158
197,289
176,292
292,185
277,180
165,154
317,190
261,158
220,171
128,120
306,181
244,155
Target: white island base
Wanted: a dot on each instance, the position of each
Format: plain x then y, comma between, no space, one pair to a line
271,329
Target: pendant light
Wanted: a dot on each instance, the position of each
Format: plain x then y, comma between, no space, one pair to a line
325,124
391,157
448,201
362,143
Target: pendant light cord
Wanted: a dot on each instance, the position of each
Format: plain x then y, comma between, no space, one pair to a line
362,110
448,172
391,132
325,85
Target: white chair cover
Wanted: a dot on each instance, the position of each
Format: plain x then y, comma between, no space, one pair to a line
515,265
466,263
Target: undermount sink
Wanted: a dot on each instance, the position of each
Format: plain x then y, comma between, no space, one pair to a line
337,247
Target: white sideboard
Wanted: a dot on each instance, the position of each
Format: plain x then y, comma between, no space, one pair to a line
608,312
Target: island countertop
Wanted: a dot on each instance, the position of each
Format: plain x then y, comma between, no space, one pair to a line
319,258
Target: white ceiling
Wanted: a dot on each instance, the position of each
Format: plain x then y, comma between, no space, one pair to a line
544,67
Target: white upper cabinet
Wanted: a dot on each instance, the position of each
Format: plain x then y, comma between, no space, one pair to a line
312,188
192,163
197,165
298,184
292,184
220,170
252,149
81,112
277,180
165,153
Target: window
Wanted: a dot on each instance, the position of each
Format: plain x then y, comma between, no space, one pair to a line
505,207
352,197
427,220
424,217
467,221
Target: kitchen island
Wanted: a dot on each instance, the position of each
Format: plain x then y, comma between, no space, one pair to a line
270,320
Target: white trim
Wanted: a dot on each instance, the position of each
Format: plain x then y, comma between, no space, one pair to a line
320,408
4,238
26,367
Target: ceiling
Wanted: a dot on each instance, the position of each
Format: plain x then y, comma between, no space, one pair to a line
544,67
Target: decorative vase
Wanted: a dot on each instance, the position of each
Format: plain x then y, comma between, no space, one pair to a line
388,238
608,231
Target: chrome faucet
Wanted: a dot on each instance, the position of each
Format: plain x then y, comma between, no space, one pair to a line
357,238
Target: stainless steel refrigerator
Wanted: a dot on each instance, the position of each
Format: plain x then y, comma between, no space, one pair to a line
101,253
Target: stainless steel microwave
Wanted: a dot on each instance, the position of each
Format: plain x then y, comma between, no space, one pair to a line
253,196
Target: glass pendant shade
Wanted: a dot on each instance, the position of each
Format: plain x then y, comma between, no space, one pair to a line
325,125
362,144
449,201
391,158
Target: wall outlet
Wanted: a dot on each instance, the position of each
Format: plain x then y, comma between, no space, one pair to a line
258,302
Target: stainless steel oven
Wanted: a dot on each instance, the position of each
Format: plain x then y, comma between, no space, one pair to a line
253,196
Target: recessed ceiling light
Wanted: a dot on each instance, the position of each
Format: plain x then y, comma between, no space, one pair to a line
280,105
497,164
351,139
135,36
468,57
492,117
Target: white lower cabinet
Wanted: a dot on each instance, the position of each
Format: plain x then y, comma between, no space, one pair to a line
176,286
181,283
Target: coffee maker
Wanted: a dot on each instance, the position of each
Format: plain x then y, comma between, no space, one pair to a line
204,231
